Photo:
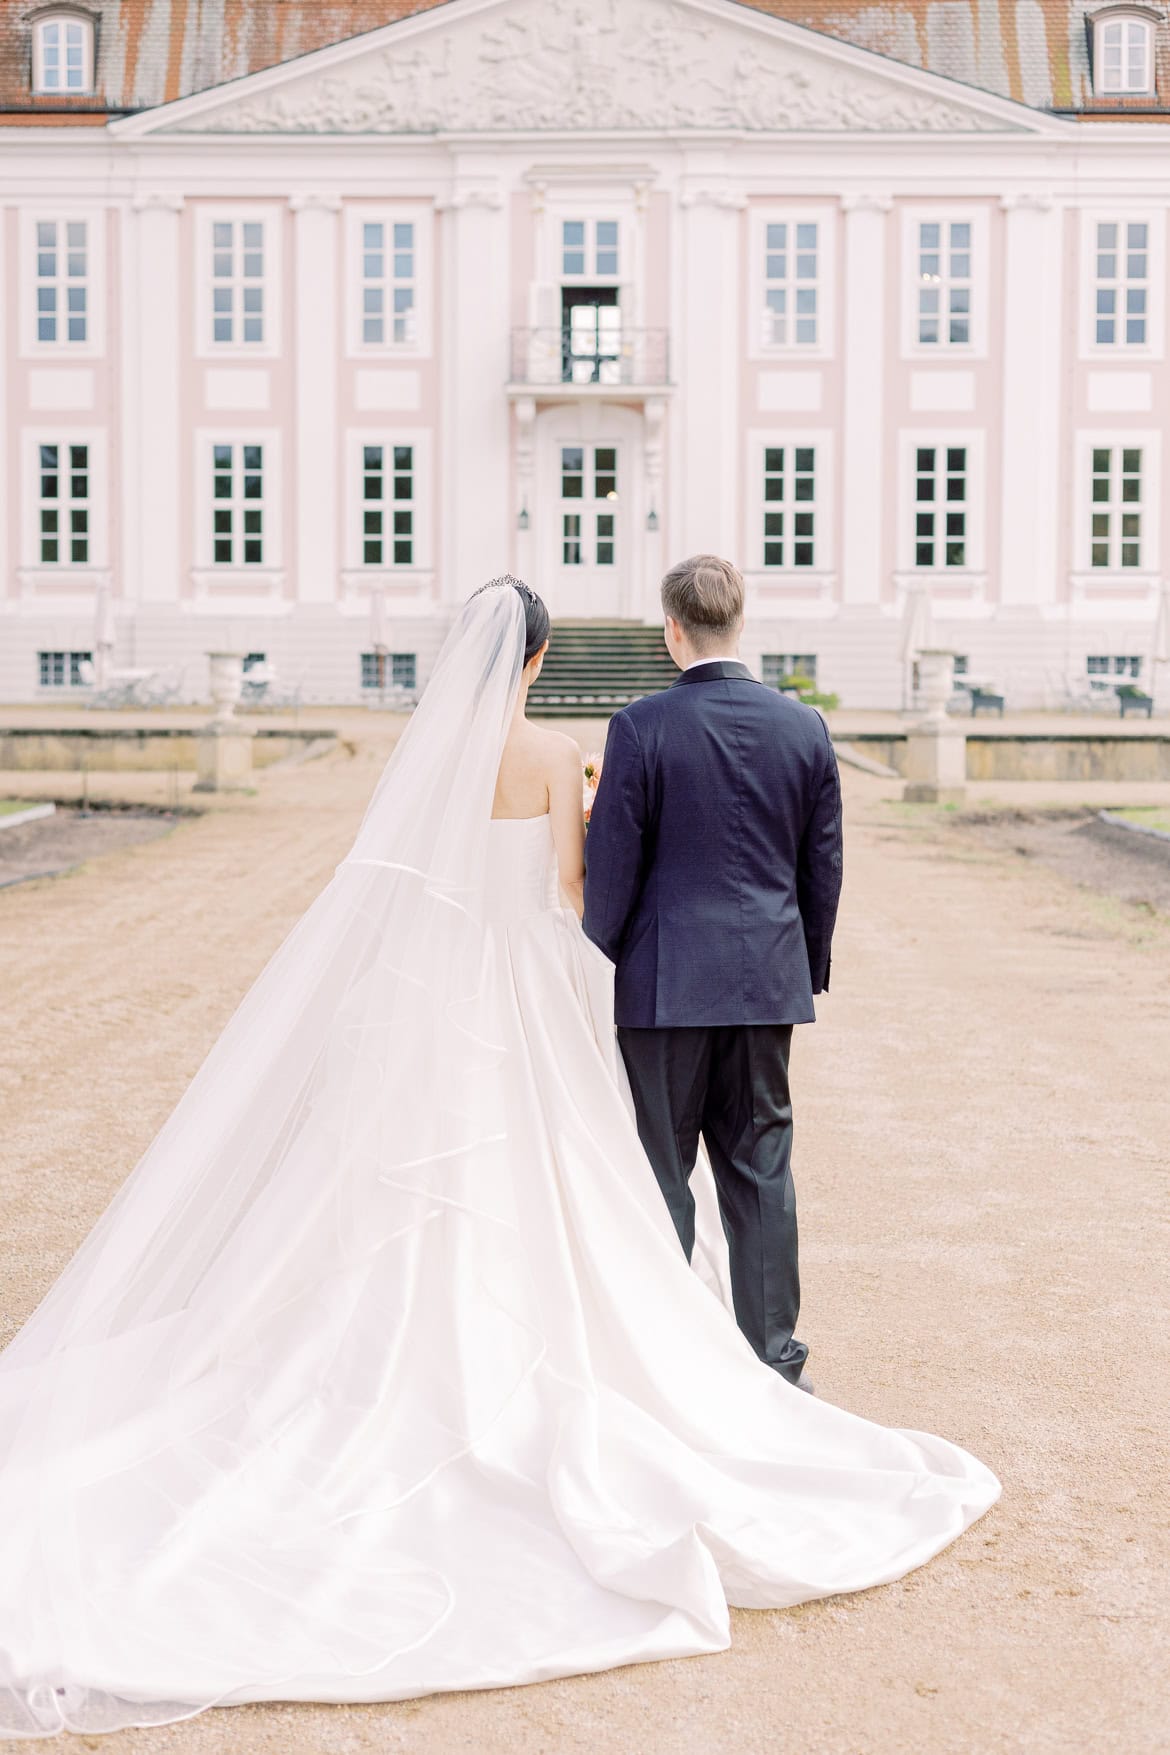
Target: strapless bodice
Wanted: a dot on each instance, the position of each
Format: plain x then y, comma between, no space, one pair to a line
521,868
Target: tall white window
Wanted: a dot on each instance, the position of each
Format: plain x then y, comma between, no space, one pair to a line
237,281
1122,293
589,249
63,54
1123,57
789,515
791,284
62,263
944,283
941,495
237,505
63,505
388,505
388,283
1116,535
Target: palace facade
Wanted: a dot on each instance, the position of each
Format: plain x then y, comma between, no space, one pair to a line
303,339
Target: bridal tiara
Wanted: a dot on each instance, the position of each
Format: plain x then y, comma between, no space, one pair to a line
507,579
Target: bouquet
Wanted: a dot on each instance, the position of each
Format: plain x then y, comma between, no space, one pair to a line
591,775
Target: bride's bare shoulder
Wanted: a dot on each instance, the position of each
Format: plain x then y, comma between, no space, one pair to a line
555,749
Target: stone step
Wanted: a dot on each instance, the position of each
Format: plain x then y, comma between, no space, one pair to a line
595,668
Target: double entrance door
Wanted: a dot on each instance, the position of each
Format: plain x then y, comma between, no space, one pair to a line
585,506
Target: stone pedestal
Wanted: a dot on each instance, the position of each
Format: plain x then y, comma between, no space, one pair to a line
936,749
936,765
223,757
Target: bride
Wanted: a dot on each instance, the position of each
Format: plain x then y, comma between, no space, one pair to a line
384,1372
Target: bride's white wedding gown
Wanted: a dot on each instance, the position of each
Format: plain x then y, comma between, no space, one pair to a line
470,1420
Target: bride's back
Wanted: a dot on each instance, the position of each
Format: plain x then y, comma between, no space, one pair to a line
522,785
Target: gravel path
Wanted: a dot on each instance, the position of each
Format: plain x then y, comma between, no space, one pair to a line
982,1169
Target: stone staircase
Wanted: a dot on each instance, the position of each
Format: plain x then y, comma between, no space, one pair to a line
593,668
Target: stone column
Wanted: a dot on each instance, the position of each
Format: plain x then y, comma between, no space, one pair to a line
150,388
863,440
476,517
648,603
1031,402
316,339
709,369
525,409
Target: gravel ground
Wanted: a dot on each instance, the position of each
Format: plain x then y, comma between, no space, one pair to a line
982,1170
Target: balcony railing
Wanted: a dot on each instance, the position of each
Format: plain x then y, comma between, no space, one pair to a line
564,356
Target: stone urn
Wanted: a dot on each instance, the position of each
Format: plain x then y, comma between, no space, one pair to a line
227,682
936,681
936,747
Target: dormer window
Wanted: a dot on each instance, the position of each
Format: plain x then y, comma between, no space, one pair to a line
1123,53
63,55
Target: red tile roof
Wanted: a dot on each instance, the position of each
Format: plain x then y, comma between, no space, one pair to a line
150,51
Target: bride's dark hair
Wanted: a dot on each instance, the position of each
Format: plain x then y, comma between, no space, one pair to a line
537,622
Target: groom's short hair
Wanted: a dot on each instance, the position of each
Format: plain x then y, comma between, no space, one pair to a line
705,596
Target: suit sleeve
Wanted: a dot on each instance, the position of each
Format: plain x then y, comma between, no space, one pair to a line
819,866
614,845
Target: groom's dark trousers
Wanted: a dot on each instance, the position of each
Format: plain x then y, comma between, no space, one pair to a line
713,873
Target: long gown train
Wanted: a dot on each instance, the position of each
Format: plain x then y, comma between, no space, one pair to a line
434,1400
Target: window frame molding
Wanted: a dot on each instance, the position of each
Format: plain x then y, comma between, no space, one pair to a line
393,578
973,572
30,346
1154,219
822,574
1086,440
978,216
420,214
269,573
272,216
825,216
32,437
1121,13
63,14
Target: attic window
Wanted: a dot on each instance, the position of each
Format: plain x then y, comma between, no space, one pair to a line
1123,55
63,55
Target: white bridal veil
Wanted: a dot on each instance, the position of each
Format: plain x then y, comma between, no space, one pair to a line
198,1422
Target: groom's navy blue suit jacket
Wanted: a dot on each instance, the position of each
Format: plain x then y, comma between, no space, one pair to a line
713,859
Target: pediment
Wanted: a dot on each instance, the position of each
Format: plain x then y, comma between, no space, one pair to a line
496,66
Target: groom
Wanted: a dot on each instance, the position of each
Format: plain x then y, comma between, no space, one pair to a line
713,871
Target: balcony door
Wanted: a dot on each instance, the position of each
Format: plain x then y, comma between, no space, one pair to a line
589,459
591,335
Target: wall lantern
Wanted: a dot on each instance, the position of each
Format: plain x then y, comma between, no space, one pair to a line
652,519
522,520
